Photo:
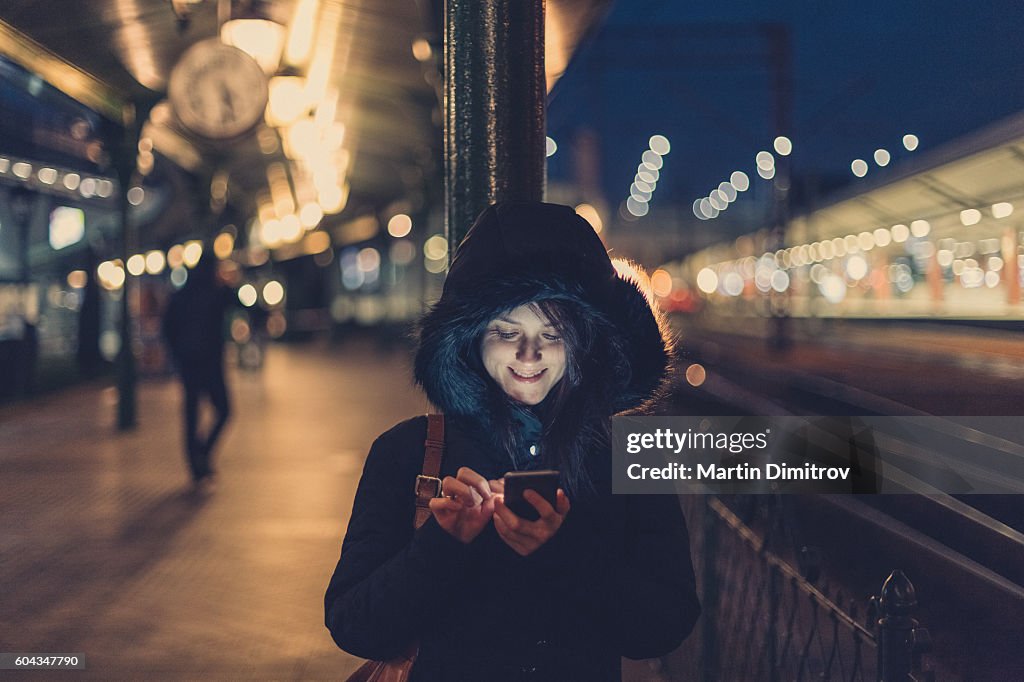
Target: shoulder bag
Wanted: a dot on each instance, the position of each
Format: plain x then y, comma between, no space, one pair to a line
428,486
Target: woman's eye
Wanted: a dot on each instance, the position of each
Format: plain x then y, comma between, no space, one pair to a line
552,337
506,335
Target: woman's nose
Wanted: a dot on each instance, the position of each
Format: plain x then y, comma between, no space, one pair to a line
529,350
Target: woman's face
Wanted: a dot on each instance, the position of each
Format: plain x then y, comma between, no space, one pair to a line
524,354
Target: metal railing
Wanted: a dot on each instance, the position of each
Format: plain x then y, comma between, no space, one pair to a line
768,619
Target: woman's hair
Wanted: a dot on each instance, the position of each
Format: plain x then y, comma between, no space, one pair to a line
574,415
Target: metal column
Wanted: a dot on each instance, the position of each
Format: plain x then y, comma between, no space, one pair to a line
495,91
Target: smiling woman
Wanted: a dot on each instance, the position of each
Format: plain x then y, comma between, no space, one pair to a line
535,343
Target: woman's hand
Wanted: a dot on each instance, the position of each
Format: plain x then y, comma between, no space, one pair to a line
526,537
467,505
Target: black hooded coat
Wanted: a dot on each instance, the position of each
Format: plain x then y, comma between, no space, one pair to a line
615,580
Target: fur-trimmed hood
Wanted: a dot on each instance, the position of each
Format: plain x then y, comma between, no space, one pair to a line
518,252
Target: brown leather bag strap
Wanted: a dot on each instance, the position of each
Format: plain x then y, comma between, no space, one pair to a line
428,483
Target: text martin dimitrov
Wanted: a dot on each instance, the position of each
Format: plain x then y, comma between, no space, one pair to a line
739,472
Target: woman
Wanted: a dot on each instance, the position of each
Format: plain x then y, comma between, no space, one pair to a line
534,344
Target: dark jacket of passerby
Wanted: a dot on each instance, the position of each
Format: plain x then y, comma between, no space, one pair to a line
193,324
616,578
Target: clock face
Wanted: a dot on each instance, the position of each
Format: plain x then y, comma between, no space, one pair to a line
217,90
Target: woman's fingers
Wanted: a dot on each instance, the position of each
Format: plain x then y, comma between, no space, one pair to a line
543,507
475,481
442,504
562,505
507,516
452,487
498,486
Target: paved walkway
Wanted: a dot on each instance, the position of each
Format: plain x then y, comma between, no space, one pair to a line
104,552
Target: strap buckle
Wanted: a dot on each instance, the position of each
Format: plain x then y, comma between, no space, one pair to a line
420,478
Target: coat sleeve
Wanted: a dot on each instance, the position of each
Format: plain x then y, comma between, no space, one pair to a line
390,579
641,583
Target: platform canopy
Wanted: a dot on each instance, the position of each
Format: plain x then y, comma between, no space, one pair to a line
372,66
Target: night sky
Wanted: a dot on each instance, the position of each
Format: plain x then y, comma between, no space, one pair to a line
863,73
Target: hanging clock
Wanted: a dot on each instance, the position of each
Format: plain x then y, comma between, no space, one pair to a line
217,91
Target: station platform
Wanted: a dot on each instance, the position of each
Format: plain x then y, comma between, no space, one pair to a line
105,551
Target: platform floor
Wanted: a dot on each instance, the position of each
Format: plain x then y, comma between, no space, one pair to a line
105,551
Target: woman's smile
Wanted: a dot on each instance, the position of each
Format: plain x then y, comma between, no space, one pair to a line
525,376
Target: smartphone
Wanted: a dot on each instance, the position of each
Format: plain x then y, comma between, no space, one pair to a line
544,482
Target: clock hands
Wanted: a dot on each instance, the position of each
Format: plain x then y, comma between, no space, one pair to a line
228,112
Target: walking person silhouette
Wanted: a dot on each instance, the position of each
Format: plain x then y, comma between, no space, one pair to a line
193,328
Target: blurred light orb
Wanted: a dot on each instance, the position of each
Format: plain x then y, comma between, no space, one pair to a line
660,145
991,279
369,259
697,210
400,225
732,284
645,176
910,142
728,191
288,101
882,157
765,160
639,194
766,173
783,145
920,228
859,167
247,295
421,50
716,201
882,237
661,283
310,215
833,289
136,265
550,146
223,245
856,267
155,262
866,241
653,172
1002,210
637,208
71,181
136,195
740,181
291,228
192,252
402,252
643,186
652,159
900,233
436,248
273,292
77,279
435,267
780,281
970,216
707,280
695,375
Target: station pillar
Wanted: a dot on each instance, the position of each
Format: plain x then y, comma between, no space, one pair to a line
495,92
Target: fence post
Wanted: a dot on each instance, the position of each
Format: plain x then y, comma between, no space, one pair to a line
900,640
709,596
